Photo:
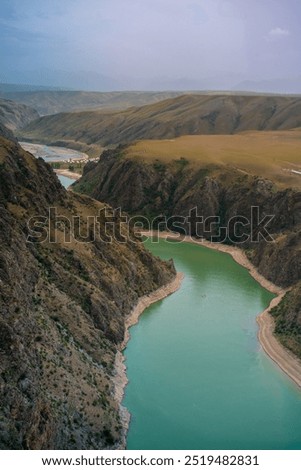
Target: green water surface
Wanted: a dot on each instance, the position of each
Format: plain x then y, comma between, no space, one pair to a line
198,378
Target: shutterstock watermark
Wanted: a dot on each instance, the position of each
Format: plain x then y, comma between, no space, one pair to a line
113,225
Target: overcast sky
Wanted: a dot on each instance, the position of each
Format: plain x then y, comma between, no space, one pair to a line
149,43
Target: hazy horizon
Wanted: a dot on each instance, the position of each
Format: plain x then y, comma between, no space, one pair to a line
155,45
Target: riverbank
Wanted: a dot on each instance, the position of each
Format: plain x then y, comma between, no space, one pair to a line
287,362
68,174
54,154
120,378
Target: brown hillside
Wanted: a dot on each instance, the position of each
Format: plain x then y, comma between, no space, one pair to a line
188,114
62,313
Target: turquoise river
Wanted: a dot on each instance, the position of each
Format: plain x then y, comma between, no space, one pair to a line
65,181
198,378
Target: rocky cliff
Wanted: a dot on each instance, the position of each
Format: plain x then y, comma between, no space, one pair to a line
158,188
287,317
63,305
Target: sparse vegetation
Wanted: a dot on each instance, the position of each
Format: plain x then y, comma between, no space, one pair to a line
64,319
168,119
287,320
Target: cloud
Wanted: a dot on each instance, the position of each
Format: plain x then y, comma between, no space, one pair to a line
145,40
278,32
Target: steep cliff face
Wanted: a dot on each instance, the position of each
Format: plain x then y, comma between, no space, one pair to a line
173,189
63,304
59,101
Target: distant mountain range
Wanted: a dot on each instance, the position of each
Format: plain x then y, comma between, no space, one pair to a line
57,101
183,115
280,85
14,87
55,80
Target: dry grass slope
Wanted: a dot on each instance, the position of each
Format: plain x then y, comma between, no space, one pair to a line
184,115
272,155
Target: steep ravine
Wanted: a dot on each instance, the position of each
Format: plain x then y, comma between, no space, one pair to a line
63,308
156,189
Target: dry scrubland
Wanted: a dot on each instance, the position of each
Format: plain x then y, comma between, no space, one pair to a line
168,119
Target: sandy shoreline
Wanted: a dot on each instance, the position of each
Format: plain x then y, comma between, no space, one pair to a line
120,378
286,360
53,153
68,174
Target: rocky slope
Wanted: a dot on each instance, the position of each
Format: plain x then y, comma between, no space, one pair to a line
188,114
158,188
63,306
7,133
15,116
